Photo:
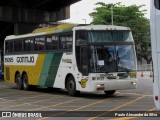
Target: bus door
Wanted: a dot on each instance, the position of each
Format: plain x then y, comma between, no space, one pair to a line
84,60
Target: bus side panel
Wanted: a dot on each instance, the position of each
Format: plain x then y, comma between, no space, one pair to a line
155,25
50,68
33,71
156,84
9,74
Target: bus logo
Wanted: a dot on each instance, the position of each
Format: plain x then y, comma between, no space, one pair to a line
83,83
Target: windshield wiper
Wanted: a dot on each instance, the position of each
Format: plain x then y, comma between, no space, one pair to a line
126,69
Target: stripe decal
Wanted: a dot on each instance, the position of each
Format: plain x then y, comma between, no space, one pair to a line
50,69
45,69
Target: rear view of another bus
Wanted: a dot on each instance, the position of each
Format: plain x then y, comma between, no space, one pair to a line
155,40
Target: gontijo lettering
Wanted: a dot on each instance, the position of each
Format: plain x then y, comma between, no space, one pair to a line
25,59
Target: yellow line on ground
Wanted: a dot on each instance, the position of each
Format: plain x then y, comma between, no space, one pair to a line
54,105
116,108
137,94
77,108
31,102
16,95
152,109
1,95
24,98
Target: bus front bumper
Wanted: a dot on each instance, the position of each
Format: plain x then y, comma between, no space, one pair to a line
113,85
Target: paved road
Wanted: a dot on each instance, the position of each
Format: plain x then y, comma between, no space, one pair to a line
96,106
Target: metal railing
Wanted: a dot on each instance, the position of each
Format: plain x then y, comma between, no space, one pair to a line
144,67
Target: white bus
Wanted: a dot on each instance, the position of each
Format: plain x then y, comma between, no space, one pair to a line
92,58
155,40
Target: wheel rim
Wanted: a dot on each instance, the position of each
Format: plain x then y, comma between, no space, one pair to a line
18,79
25,81
71,85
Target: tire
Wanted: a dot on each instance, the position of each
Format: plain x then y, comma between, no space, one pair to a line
19,83
25,82
71,86
110,92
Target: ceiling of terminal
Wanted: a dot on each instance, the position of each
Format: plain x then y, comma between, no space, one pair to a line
49,5
7,24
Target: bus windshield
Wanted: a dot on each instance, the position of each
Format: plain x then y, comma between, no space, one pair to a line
108,51
114,58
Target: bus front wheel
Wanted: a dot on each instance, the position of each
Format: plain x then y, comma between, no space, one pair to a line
25,82
71,86
110,92
19,81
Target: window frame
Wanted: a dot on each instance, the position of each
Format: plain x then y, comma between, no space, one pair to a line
45,43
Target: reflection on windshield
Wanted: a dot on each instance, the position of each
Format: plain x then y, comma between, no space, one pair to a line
126,58
112,58
110,36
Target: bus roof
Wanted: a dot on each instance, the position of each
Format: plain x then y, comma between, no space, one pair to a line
64,28
101,27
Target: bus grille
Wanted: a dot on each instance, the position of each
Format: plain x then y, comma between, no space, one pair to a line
7,73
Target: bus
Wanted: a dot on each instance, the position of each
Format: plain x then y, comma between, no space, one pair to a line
91,58
155,41
1,64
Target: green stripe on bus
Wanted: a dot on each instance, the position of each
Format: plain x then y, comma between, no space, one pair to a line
45,69
53,69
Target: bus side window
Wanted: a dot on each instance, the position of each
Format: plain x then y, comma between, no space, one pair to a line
11,46
39,43
6,47
17,45
52,42
28,44
49,43
66,41
31,46
157,4
81,37
69,41
63,44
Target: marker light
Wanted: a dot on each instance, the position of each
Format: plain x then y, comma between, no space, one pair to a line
156,98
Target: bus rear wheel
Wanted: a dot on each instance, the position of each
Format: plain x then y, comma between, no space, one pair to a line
19,81
110,92
25,82
71,86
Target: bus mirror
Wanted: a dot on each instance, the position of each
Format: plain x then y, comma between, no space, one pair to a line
157,4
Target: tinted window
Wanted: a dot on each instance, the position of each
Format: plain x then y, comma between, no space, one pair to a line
18,45
9,46
52,43
39,44
66,42
28,45
81,37
69,41
63,44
